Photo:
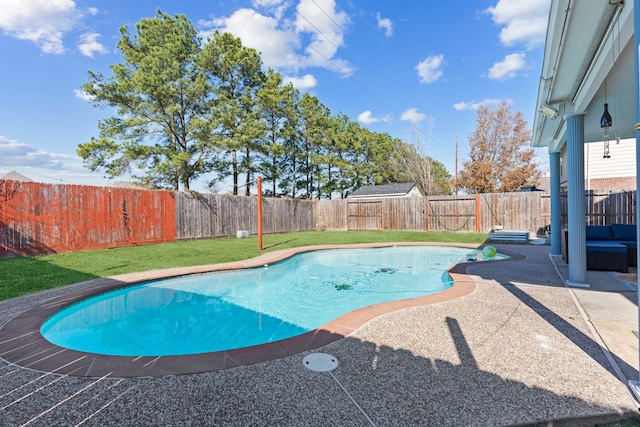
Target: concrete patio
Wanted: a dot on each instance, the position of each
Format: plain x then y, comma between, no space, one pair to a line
520,349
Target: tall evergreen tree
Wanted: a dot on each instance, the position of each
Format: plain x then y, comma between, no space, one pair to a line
277,102
294,157
161,99
234,72
314,121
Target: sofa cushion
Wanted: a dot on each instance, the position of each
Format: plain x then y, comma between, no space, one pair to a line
599,232
605,246
629,243
626,232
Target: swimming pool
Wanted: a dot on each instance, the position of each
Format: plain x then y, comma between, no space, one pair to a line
241,308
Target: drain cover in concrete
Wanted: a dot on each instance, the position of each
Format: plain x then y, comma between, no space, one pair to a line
320,362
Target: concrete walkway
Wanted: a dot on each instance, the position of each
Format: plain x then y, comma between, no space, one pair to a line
516,351
611,308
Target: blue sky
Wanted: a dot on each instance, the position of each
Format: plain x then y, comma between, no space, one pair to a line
414,69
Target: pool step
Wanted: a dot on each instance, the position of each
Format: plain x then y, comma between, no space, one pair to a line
519,236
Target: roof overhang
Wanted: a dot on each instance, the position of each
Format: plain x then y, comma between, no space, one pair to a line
589,50
373,196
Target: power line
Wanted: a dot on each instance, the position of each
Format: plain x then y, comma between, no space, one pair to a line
351,78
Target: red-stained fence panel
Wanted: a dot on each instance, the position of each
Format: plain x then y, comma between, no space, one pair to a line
38,218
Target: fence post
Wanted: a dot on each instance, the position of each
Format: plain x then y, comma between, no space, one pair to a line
478,212
425,209
259,185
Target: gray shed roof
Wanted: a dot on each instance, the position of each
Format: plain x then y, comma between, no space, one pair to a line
384,190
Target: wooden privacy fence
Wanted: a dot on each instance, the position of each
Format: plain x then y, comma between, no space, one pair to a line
469,213
204,216
608,208
38,218
42,218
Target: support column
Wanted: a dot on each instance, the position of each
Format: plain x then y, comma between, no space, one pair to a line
556,215
635,384
575,201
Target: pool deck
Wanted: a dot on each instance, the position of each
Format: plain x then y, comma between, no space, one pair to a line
510,344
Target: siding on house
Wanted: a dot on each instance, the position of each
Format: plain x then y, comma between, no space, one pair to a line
613,174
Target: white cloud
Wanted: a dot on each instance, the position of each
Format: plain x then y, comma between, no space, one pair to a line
464,106
44,166
472,105
508,68
92,11
279,39
305,82
22,155
522,21
276,8
412,115
367,118
325,25
43,22
277,46
385,24
89,44
429,70
81,94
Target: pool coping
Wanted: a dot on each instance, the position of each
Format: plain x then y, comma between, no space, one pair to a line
21,343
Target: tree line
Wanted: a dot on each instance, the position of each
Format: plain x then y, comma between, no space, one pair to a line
190,109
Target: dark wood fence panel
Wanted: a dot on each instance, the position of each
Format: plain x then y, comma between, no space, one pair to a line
38,218
597,209
622,207
610,208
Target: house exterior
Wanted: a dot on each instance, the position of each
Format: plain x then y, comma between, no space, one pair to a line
613,174
408,189
589,67
126,184
15,176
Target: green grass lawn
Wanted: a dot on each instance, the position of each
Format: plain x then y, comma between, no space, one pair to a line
25,275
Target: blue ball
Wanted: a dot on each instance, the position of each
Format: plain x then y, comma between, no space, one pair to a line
489,251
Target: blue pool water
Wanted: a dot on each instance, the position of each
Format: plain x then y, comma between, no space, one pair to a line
241,308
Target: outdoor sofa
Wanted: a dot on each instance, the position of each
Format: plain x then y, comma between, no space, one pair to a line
609,247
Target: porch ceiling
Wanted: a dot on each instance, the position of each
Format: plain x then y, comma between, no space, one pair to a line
583,40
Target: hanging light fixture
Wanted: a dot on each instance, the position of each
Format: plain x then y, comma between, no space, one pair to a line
605,123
